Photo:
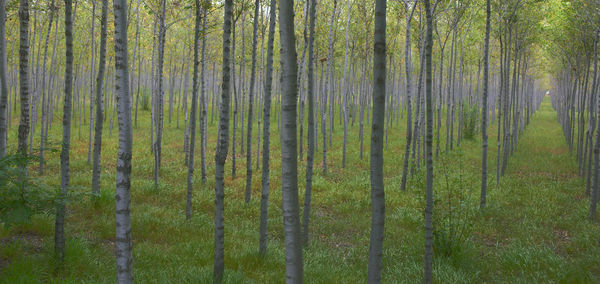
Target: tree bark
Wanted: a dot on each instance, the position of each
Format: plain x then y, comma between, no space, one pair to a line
484,111
92,69
264,199
222,147
345,88
250,105
190,176
289,155
4,107
99,113
408,99
159,108
59,233
123,243
310,155
23,76
377,126
429,140
44,92
203,102
325,95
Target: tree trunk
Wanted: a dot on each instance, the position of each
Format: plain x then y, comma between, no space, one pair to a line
325,94
99,114
242,83
310,155
377,189
23,76
264,199
408,99
250,105
92,69
204,103
123,243
289,155
429,140
345,89
44,92
159,109
59,233
484,111
235,103
222,147
4,106
190,176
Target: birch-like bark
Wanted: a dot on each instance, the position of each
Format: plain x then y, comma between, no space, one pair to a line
190,176
92,69
377,127
43,90
345,86
235,101
325,93
222,147
289,155
408,98
250,105
159,108
484,111
310,155
264,198
23,76
429,148
59,229
4,106
123,245
203,101
99,113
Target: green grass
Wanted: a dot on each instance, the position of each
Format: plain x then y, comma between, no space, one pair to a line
535,228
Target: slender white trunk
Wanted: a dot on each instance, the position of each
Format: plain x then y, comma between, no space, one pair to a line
123,243
222,147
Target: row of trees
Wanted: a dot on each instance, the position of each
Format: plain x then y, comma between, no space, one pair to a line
575,78
123,230
379,96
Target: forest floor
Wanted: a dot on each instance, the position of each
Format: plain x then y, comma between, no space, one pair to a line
535,228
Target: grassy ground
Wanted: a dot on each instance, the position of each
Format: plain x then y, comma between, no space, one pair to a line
535,228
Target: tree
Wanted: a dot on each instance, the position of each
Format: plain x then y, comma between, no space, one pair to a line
596,151
204,103
23,75
222,146
325,93
59,233
377,125
123,219
289,155
44,92
310,155
429,148
3,81
264,198
159,107
92,69
190,176
484,111
409,103
99,114
345,82
250,104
